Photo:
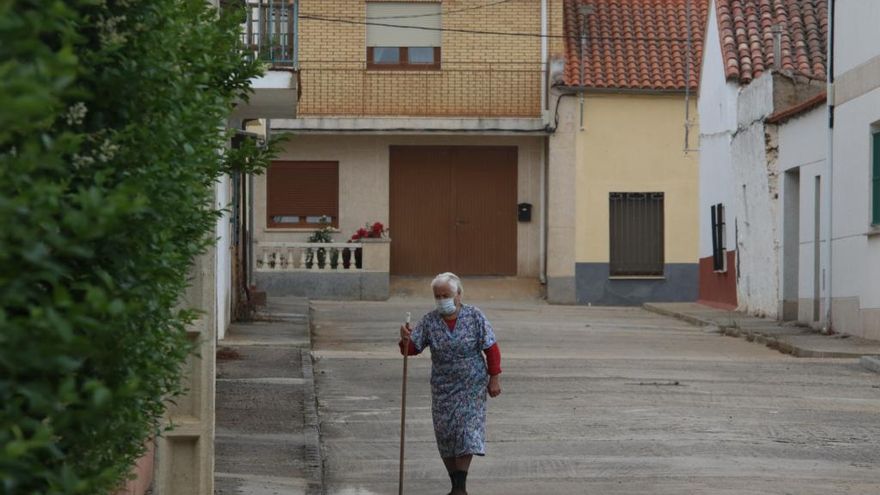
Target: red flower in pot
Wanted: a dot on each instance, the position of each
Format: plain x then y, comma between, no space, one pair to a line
368,231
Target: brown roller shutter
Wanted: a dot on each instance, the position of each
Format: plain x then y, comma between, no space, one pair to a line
302,189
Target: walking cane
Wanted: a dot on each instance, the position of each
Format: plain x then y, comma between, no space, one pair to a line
403,407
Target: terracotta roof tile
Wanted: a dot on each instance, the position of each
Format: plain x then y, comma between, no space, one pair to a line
634,44
746,31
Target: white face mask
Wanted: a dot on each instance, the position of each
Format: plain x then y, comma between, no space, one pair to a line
446,306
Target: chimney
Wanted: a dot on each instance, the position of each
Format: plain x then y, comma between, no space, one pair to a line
584,11
776,29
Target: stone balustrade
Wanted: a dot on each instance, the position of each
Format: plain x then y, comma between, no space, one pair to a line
296,256
337,270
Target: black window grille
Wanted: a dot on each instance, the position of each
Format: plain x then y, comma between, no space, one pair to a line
719,251
637,234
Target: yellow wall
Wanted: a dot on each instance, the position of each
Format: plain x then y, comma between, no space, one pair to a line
634,143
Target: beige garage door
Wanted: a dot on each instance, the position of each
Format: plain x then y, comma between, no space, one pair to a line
453,208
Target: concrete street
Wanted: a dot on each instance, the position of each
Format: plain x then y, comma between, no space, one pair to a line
266,439
599,401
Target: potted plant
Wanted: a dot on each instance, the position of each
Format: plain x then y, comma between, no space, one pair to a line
346,258
322,235
376,230
334,258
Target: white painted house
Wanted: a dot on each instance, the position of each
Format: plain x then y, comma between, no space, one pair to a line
760,65
855,249
802,139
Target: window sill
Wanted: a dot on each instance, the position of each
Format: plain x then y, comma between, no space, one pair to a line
874,231
637,277
304,230
402,68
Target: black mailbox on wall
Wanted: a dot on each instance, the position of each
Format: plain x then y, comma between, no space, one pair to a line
524,212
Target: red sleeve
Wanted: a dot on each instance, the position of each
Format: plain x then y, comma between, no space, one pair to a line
493,359
412,351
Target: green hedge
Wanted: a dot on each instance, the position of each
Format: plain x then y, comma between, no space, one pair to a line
111,116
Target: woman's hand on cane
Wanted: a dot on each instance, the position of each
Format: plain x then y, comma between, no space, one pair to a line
405,332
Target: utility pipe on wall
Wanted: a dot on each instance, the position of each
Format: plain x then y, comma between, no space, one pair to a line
544,62
542,242
829,170
545,67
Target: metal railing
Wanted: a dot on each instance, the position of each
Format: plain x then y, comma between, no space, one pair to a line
270,31
457,89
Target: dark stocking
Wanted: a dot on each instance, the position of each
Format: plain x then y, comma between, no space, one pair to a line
459,482
457,467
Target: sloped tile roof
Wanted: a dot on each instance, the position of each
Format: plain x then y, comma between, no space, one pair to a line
634,44
746,31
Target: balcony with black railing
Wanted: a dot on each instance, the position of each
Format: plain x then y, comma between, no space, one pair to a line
270,31
270,34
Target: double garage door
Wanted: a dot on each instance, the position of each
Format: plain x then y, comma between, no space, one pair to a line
453,208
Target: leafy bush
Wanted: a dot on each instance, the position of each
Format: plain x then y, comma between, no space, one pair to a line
111,137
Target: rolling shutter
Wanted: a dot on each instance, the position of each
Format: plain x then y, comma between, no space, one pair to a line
418,15
302,189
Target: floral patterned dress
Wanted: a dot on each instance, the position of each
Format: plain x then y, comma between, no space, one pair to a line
458,378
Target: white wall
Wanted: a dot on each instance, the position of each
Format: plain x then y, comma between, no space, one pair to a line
856,35
802,148
856,255
223,261
755,202
717,110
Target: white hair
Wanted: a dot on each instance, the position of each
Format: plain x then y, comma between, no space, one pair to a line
448,278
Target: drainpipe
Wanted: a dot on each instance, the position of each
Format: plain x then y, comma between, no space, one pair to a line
542,242
544,66
829,170
542,229
251,227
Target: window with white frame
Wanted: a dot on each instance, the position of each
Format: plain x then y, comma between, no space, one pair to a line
403,35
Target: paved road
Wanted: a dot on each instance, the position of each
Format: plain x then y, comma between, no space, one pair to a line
600,401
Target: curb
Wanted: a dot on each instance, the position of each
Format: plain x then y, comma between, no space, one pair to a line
780,344
693,320
311,422
871,363
314,458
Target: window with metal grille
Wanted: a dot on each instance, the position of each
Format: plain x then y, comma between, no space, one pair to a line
302,194
875,179
636,234
719,250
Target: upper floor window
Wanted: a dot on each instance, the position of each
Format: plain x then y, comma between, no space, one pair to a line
403,35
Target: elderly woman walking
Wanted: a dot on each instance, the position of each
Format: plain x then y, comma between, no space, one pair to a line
458,335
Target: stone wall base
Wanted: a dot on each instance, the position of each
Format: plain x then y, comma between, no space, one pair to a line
353,286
